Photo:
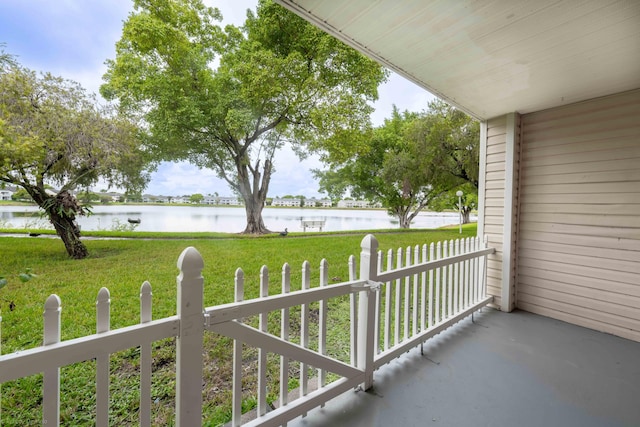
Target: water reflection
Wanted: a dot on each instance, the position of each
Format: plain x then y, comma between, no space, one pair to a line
223,219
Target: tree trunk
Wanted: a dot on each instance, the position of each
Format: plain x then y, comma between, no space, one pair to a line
61,210
405,222
253,186
466,215
69,232
402,214
255,224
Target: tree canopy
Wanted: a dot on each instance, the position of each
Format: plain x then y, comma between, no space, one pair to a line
411,162
53,133
453,143
228,98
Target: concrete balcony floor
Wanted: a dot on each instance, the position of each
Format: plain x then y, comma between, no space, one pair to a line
506,369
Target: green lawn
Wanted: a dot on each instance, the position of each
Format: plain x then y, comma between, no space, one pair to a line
122,266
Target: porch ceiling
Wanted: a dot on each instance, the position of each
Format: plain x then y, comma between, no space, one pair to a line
494,57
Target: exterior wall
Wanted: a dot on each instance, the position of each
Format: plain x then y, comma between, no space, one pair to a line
579,230
498,218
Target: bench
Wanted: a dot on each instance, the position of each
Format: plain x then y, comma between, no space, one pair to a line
308,223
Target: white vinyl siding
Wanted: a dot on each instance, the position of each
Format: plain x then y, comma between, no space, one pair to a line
579,225
493,218
500,152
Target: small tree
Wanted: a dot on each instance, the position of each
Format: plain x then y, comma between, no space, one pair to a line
391,169
52,132
449,201
196,198
452,140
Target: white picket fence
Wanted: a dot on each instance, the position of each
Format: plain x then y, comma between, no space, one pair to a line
422,291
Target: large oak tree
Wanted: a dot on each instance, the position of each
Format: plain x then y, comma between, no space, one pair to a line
53,133
228,99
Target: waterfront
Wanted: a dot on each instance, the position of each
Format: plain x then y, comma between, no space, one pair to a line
222,219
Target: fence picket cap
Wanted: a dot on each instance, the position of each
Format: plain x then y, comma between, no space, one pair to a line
103,315
239,285
145,302
52,309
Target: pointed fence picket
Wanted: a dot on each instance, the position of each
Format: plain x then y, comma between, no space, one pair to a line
103,324
391,309
146,361
284,334
51,377
237,356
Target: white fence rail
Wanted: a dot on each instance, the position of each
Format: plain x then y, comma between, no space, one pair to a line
422,291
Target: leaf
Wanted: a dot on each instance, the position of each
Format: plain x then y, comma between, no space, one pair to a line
3,282
25,277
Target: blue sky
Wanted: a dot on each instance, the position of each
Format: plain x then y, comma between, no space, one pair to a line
73,38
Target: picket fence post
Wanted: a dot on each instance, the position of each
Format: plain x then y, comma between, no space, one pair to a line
236,414
353,314
51,378
366,309
103,324
189,343
146,362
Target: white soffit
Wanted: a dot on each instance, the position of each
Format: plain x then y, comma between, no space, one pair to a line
488,57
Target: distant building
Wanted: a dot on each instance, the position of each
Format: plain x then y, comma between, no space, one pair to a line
229,201
313,202
353,204
210,200
148,198
285,202
6,193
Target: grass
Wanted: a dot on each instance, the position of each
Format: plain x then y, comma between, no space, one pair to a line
122,266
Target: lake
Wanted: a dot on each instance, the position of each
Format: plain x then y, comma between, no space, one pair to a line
222,219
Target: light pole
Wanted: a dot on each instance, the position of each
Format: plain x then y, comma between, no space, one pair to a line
459,193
